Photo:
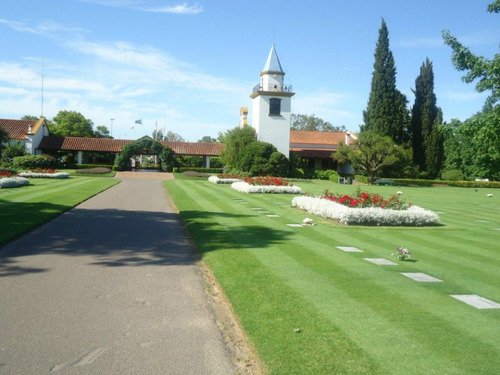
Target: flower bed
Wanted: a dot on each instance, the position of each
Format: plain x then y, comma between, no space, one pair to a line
267,181
218,180
44,173
13,182
245,187
411,216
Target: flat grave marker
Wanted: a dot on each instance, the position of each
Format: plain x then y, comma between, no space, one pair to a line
421,277
263,212
273,215
476,301
256,208
380,261
295,225
349,249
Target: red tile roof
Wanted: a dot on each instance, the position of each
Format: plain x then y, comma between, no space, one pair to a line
316,138
115,145
17,129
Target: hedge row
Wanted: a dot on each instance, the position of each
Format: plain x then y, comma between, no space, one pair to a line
196,169
469,184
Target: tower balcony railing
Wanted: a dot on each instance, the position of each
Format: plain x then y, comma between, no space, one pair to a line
273,88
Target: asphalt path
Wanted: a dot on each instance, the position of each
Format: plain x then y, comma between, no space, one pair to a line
110,287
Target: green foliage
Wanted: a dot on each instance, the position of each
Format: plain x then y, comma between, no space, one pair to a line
13,150
386,112
235,141
145,146
426,139
452,175
167,158
201,170
485,71
361,178
102,132
327,174
255,158
473,146
72,124
207,139
278,165
313,123
370,153
35,161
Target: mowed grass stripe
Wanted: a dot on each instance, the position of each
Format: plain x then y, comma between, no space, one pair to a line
263,317
356,297
43,189
45,201
351,309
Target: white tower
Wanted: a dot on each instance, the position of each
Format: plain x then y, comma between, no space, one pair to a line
272,105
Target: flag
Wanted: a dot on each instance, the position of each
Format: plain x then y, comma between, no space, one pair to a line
139,122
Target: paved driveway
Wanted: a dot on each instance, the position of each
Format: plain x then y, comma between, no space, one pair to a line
110,287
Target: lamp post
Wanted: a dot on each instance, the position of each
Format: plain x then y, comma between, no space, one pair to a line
112,126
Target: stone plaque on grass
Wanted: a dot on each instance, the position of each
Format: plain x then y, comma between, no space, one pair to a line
349,249
476,301
421,277
272,215
295,225
380,261
263,212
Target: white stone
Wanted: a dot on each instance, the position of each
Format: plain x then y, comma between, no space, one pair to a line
263,212
476,301
421,277
272,215
349,249
380,261
295,225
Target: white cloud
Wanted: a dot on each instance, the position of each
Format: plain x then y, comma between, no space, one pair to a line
154,6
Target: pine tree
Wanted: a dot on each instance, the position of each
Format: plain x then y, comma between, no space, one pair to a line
427,142
386,112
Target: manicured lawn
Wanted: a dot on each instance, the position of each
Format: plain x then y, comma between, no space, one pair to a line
25,208
354,317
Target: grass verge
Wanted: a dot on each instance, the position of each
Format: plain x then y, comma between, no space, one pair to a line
310,308
24,208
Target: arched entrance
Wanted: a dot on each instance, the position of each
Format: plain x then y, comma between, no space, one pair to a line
145,146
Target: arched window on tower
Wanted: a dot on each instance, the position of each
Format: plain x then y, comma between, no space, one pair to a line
274,107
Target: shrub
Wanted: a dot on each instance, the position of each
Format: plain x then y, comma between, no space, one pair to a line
452,175
13,182
327,174
35,161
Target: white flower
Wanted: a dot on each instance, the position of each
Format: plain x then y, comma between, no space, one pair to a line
414,215
243,187
399,193
490,195
217,180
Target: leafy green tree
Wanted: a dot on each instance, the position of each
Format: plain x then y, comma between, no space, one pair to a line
473,146
313,123
235,140
12,150
72,124
4,138
160,135
207,139
426,139
29,117
102,132
370,153
485,71
386,112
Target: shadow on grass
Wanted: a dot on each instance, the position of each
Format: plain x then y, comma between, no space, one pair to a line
212,231
120,238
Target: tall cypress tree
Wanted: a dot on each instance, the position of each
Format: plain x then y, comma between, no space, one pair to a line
425,135
386,112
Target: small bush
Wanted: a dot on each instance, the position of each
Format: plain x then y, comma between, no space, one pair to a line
452,175
327,174
35,161
361,178
98,170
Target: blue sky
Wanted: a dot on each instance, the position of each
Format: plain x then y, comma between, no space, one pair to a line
188,67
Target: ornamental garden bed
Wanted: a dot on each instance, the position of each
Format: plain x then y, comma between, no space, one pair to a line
44,173
266,185
366,209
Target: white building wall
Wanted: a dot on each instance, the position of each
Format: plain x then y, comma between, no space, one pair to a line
273,129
